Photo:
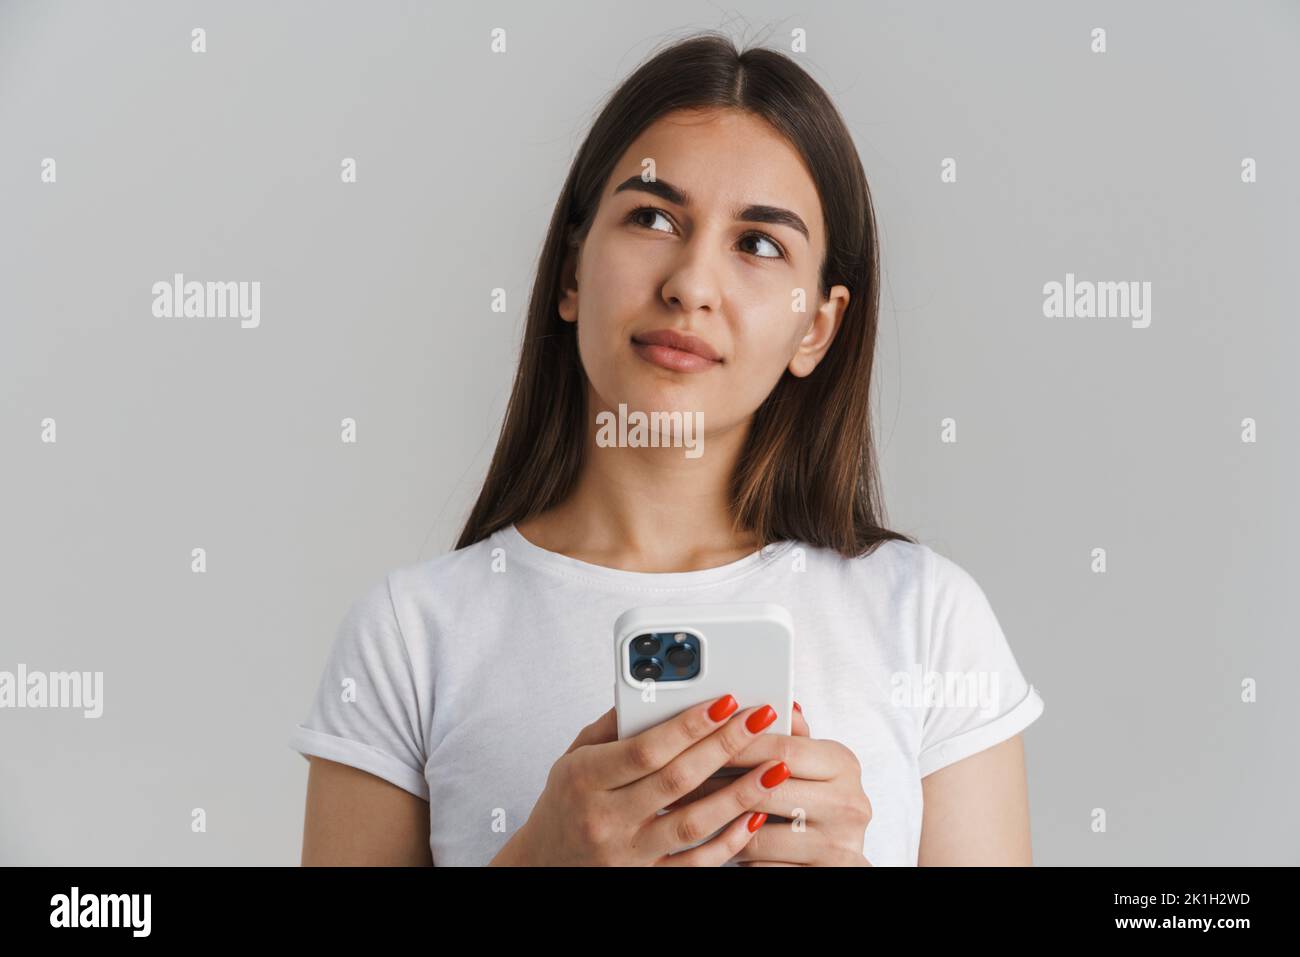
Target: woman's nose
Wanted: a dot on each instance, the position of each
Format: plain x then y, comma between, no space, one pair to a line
695,279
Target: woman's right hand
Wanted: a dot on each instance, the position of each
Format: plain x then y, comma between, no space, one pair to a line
601,797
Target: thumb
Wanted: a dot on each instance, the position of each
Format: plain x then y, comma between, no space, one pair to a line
601,731
798,723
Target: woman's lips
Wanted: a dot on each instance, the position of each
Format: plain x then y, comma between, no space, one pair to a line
670,350
676,359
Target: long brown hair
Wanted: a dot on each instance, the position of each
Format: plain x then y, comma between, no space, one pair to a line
807,470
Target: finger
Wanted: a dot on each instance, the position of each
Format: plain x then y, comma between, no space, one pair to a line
714,784
693,766
685,826
812,845
769,864
622,762
709,786
817,759
838,858
747,759
603,729
781,842
719,850
813,800
798,723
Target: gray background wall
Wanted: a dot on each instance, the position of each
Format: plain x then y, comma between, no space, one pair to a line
1072,433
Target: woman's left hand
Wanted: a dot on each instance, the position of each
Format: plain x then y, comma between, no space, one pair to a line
818,816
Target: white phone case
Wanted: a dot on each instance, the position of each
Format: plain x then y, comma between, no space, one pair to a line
746,650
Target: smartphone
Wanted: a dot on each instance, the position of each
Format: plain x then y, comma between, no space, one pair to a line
670,657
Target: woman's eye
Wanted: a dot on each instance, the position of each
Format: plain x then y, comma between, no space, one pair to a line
642,213
636,216
776,250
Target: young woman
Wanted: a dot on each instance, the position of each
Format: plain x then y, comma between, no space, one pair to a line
713,253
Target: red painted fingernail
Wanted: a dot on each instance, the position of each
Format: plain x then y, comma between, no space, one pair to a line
722,707
756,820
797,708
760,719
775,775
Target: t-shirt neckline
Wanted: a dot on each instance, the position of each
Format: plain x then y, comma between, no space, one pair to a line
533,554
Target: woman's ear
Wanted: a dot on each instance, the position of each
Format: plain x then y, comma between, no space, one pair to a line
569,285
822,326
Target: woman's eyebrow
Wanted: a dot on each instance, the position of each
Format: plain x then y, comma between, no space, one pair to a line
752,214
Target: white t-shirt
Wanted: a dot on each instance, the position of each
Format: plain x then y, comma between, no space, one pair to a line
462,679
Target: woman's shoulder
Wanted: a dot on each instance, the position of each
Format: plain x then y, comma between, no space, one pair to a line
453,575
894,564
890,557
912,559
451,572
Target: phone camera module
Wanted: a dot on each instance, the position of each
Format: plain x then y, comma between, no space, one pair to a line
646,645
682,656
647,669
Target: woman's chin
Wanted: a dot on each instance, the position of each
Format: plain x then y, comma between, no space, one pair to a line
658,401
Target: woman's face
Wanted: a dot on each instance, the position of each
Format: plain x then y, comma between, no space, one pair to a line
719,256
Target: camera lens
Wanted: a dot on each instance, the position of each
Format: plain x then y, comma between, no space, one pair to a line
681,656
646,645
647,669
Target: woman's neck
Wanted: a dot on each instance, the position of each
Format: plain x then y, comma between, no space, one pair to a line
649,509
